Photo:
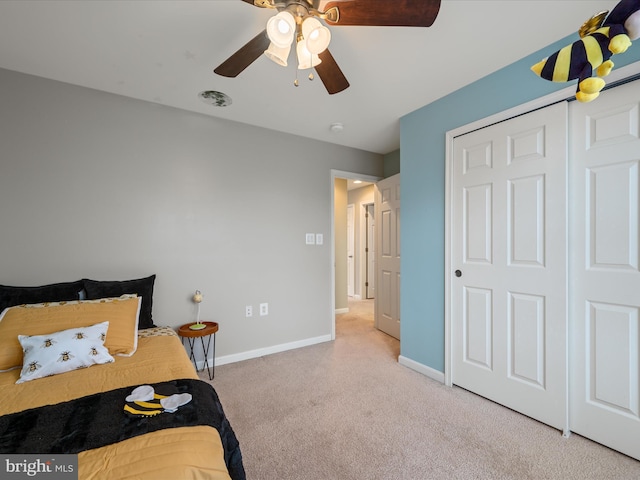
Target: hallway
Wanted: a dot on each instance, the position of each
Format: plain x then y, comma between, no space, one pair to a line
359,322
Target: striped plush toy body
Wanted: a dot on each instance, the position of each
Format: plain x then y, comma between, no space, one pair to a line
602,36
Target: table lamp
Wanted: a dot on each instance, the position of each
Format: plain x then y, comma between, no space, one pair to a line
197,299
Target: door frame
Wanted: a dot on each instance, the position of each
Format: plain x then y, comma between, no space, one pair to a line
567,93
349,176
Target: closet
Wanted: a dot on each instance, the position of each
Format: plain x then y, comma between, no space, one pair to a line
545,283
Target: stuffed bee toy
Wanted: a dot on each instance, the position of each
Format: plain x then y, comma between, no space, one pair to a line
600,37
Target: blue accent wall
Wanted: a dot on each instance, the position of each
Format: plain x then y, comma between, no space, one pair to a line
422,173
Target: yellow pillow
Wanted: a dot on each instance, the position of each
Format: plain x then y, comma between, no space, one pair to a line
40,319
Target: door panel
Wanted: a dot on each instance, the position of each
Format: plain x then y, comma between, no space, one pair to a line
477,218
605,381
525,221
613,235
509,242
371,252
351,244
613,334
526,339
387,213
478,338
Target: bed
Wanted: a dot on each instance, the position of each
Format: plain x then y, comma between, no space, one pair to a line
72,394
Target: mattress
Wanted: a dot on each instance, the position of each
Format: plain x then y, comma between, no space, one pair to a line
198,451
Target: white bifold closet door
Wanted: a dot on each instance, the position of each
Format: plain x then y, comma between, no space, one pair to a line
508,305
552,336
604,269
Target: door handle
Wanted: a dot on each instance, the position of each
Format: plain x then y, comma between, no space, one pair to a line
458,273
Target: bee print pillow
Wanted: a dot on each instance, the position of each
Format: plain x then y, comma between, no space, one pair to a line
64,351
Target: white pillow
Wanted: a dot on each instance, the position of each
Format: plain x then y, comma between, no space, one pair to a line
60,352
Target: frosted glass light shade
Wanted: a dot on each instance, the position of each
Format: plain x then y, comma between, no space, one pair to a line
278,54
306,59
281,28
316,35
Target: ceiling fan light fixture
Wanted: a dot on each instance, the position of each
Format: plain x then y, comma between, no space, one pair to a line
287,25
278,54
281,28
306,59
317,36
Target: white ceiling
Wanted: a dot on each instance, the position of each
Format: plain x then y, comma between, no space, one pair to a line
165,52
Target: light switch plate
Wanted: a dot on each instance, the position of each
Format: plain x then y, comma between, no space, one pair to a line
310,239
319,239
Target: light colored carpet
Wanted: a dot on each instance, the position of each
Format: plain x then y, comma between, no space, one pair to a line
348,410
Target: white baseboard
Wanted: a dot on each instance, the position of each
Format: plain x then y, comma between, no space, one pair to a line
420,368
261,352
342,310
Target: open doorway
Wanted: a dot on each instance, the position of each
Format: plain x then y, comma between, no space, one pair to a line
360,227
344,192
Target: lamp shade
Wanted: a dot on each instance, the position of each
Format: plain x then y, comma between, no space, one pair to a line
281,28
278,54
306,59
316,35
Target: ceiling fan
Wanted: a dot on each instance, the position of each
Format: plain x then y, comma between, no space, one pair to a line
297,21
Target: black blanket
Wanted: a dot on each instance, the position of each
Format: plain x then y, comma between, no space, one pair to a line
98,420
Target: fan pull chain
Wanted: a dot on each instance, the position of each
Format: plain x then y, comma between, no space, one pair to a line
311,76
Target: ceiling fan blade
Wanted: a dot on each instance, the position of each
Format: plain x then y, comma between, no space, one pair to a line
385,13
244,57
330,74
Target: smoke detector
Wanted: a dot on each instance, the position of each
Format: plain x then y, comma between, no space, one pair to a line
336,127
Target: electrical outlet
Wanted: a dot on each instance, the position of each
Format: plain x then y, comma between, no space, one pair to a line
264,309
248,311
319,239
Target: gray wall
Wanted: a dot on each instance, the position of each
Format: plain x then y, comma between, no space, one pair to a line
391,164
102,186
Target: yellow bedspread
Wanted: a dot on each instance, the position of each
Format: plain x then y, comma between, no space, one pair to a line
176,453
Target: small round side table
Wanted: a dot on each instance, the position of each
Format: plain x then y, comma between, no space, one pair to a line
191,335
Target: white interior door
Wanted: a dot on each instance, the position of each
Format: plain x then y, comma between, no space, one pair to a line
387,211
351,244
508,304
371,252
605,270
